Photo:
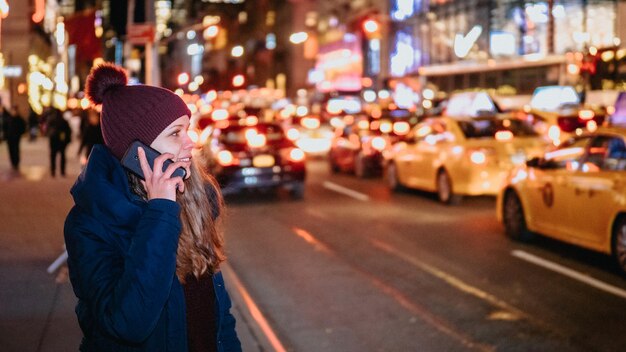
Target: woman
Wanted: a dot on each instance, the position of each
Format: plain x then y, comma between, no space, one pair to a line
144,255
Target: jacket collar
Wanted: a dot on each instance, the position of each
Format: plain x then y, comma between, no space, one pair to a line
102,190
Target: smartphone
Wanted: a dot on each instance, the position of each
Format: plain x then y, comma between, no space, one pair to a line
131,160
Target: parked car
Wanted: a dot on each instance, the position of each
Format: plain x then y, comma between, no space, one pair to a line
575,193
244,155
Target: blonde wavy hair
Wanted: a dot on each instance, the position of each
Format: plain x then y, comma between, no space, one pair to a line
201,243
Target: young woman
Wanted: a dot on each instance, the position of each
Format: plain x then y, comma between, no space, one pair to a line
144,255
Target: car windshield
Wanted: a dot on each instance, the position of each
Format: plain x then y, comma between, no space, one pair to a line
619,116
471,104
487,128
552,98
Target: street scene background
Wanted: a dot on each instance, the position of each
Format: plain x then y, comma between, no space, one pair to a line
383,164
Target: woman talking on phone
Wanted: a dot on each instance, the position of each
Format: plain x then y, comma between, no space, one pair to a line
145,252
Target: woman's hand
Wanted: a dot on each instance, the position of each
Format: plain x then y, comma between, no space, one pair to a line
160,184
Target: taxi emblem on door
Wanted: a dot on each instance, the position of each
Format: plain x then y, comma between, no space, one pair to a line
547,193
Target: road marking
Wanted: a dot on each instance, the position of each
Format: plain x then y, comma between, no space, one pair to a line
402,300
429,317
451,280
569,273
316,213
255,312
310,239
346,191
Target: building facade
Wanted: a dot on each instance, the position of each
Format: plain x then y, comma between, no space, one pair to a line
453,44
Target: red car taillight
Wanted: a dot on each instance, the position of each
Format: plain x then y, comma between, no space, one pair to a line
226,158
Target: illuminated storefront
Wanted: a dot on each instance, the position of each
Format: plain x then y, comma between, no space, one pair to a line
339,65
459,44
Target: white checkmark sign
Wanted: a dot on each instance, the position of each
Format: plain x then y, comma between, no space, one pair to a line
463,44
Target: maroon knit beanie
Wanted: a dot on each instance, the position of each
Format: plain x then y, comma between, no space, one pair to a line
130,112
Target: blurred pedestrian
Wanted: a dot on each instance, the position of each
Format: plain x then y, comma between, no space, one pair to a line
15,128
144,255
59,135
33,125
4,117
91,134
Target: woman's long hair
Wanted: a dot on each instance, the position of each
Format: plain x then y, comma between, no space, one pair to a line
201,244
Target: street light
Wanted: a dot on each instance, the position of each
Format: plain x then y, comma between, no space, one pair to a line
370,26
238,80
211,32
237,51
4,9
298,38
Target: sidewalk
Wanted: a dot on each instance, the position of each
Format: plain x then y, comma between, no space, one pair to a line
36,308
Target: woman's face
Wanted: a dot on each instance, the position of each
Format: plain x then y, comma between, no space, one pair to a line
174,140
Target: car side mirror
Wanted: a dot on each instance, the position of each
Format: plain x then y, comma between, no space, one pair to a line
535,162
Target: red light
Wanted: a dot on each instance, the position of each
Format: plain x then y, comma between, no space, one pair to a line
40,9
586,114
239,80
225,158
370,26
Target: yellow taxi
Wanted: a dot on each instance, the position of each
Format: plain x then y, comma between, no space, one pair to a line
559,112
462,153
575,193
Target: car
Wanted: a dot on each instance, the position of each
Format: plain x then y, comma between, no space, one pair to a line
559,112
359,146
244,154
455,157
575,193
311,134
357,150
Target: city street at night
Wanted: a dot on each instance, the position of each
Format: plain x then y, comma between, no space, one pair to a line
350,267
366,270
396,175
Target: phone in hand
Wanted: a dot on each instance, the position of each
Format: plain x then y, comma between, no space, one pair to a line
130,160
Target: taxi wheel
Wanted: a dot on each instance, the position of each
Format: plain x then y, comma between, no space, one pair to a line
444,189
391,177
334,168
619,244
514,220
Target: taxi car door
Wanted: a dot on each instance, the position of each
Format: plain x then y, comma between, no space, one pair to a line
550,195
597,184
407,157
428,155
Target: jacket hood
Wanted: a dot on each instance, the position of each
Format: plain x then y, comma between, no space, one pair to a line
102,191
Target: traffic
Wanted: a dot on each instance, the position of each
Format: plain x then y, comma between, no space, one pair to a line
554,164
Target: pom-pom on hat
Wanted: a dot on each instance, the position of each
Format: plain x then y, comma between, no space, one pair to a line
130,112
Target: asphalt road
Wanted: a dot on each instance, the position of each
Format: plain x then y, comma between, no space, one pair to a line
353,267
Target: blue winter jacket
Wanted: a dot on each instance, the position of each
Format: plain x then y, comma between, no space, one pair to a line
122,264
